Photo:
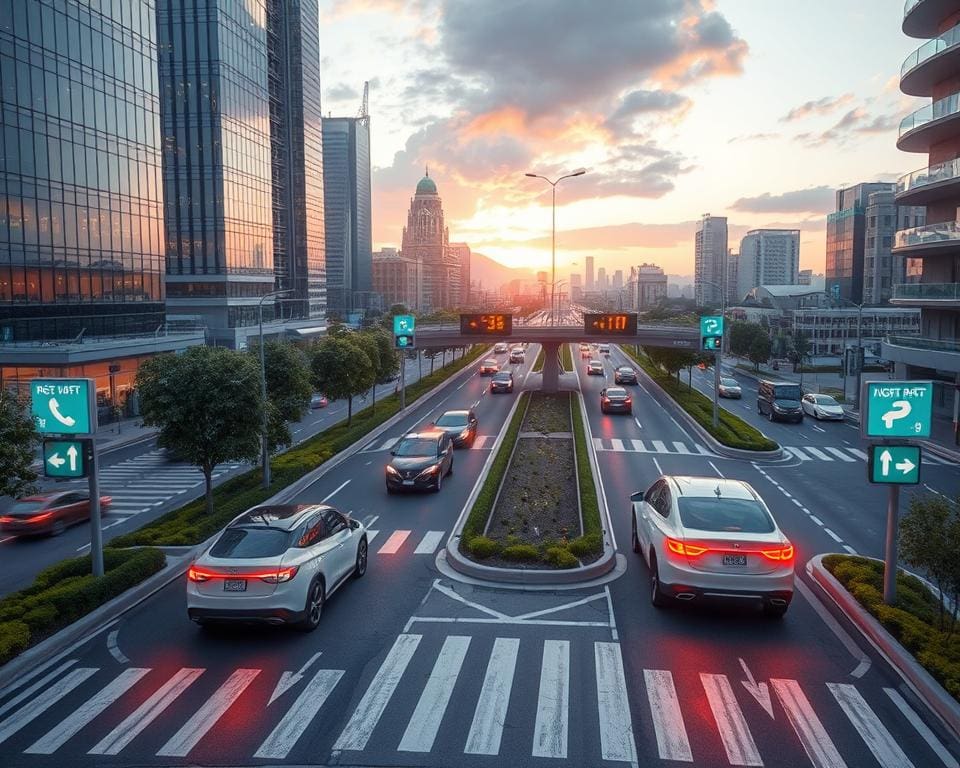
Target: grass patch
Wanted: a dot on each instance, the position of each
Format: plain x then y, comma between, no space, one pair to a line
592,540
731,431
190,524
912,620
548,413
566,358
538,363
66,592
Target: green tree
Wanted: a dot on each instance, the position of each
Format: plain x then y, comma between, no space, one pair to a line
801,350
207,406
671,360
289,388
341,369
18,439
929,541
759,351
378,344
741,334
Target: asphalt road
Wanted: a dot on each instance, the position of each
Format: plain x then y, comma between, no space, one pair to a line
412,667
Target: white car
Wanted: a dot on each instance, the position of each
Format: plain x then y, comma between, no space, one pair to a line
500,348
707,537
822,407
604,349
276,564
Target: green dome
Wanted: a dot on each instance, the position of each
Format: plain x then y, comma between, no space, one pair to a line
426,186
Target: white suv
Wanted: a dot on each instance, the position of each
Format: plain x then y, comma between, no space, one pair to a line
276,564
706,537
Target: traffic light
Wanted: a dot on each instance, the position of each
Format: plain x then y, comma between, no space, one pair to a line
711,342
403,341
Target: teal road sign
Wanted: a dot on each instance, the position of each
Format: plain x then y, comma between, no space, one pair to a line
896,409
62,406
403,341
404,325
894,464
64,458
711,331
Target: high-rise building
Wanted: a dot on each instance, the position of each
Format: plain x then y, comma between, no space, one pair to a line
846,240
710,251
347,211
648,286
576,286
732,275
590,284
602,280
618,280
768,257
932,71
805,277
461,252
396,278
881,269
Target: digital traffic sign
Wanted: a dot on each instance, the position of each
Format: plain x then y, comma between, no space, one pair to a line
490,324
611,324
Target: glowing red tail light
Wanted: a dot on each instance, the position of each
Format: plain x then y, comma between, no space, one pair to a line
782,554
683,548
275,576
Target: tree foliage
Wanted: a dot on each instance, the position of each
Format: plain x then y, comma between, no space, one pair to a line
671,360
18,439
750,340
341,369
929,541
289,388
759,351
207,406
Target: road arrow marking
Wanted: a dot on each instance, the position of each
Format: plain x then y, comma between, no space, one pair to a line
901,409
906,466
290,679
72,454
56,460
759,691
885,459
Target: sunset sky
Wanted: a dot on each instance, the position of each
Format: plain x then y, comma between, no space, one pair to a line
753,109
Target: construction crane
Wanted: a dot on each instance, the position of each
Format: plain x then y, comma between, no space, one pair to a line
364,114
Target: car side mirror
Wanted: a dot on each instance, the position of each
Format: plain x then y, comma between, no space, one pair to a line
354,524
637,496
393,453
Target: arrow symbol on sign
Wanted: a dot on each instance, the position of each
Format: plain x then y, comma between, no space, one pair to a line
56,461
759,691
290,679
906,466
885,459
901,409
72,455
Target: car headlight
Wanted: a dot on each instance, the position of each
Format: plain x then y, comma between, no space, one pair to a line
431,470
392,471
465,433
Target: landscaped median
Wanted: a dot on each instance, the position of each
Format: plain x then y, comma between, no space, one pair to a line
732,431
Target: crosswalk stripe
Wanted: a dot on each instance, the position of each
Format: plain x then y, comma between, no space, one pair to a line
701,449
732,725
839,454
672,741
429,543
146,713
393,543
358,730
480,441
425,723
638,445
486,729
613,706
389,443
797,452
207,716
37,706
550,730
813,736
818,453
680,447
56,738
858,453
28,692
284,737
880,741
617,444
659,447
921,727
371,535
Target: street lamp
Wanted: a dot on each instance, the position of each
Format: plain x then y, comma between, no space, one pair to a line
553,236
843,351
264,449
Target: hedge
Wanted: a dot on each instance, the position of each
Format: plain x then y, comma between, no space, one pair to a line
731,431
566,357
190,524
912,620
538,363
67,591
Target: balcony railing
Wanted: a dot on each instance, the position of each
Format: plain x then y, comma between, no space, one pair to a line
929,234
945,107
930,49
927,291
931,175
918,342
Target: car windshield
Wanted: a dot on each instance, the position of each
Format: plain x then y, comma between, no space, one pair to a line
241,542
596,364
502,376
624,369
418,446
27,507
708,513
729,382
825,400
787,393
489,361
452,420
616,392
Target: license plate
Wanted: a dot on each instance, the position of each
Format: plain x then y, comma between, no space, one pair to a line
408,482
735,560
234,585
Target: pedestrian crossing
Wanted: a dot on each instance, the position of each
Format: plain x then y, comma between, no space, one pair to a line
402,541
480,443
422,698
843,455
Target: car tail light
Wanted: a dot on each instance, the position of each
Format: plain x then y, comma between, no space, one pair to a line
628,401
280,576
782,554
274,576
683,548
198,574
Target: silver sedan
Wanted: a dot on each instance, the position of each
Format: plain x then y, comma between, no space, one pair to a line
822,407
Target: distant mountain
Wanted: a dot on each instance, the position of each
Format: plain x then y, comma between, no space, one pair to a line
492,274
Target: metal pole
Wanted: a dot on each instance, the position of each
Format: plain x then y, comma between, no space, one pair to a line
403,379
264,451
890,560
553,251
716,387
856,392
96,524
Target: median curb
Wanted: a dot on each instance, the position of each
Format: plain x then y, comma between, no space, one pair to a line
921,682
462,564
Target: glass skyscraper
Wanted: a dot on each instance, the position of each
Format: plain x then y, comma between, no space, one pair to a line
81,240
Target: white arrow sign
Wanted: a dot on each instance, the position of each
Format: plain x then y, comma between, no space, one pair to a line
885,459
901,409
72,455
290,679
759,691
56,461
906,466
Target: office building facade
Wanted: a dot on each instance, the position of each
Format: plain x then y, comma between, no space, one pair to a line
461,252
881,268
647,286
768,257
396,279
732,273
846,240
590,285
710,252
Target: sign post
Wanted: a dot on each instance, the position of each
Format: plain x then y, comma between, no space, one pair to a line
711,338
68,407
889,410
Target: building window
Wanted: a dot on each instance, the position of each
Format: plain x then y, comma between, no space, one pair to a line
887,241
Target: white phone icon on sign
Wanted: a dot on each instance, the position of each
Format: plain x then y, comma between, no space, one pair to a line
55,410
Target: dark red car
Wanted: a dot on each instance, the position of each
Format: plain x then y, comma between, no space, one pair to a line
48,513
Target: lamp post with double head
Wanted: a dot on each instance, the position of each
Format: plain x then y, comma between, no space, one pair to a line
264,448
553,230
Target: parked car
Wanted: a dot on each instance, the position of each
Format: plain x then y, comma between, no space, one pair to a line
319,401
779,401
420,462
624,375
708,537
460,425
277,565
595,368
729,388
516,355
49,513
500,348
822,407
501,382
489,367
615,399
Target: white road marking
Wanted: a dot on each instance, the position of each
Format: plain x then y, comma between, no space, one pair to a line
37,706
715,468
428,544
616,728
681,447
833,536
921,727
284,737
425,723
880,741
86,712
115,649
371,535
731,724
818,453
334,492
146,713
797,453
359,729
28,692
638,445
850,549
184,740
672,741
840,454
659,447
490,715
617,444
813,736
657,465
639,425
550,729
393,543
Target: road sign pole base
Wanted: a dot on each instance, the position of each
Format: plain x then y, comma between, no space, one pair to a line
890,557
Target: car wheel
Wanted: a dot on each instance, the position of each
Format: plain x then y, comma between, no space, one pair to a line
436,488
57,528
360,567
314,607
657,596
634,539
774,611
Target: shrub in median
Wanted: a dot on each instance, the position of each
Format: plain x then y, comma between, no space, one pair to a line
521,552
14,639
481,547
559,557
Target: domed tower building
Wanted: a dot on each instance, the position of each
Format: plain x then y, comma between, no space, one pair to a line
932,71
426,240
